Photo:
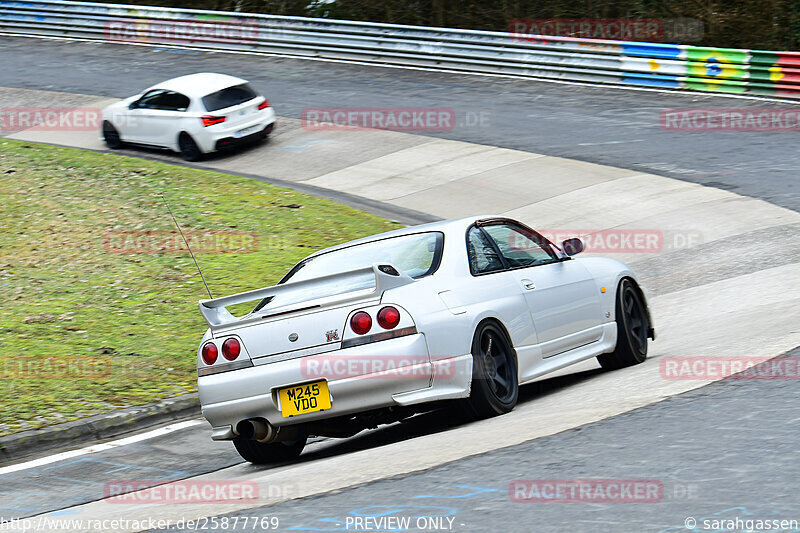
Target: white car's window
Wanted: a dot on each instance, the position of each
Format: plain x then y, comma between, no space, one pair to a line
483,257
416,255
150,100
229,97
164,101
521,247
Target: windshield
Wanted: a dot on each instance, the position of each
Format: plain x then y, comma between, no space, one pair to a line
229,97
416,255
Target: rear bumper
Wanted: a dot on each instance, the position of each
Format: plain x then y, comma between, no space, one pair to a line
228,143
231,397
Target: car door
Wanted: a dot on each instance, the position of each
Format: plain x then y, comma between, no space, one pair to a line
494,289
157,116
561,293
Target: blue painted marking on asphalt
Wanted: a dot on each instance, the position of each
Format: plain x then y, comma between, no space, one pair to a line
389,510
300,146
477,491
120,467
18,509
64,512
395,510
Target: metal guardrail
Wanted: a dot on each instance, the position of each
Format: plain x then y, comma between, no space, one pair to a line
665,66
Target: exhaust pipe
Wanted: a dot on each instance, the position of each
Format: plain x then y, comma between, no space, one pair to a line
256,429
260,430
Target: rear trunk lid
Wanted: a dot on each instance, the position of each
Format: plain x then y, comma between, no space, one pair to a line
302,318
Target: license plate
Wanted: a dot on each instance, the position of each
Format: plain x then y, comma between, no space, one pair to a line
247,131
307,398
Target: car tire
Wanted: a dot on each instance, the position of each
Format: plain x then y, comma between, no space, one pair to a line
275,452
111,136
495,384
632,327
189,149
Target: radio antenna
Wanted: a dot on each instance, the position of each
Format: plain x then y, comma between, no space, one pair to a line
188,247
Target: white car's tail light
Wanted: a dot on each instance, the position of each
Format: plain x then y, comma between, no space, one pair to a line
210,120
263,105
231,349
388,317
361,323
210,353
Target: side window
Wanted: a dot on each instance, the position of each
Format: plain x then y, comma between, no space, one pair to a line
171,101
164,100
482,255
521,247
150,100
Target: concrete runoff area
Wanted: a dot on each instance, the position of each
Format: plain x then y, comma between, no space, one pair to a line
749,311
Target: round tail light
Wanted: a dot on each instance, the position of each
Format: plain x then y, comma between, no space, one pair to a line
231,349
210,353
361,322
388,317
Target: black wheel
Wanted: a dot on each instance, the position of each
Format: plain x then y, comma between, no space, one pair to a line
111,135
632,326
262,454
189,149
495,388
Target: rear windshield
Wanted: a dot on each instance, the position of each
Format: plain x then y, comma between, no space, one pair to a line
416,255
229,97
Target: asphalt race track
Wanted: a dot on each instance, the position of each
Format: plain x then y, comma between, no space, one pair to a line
723,284
618,127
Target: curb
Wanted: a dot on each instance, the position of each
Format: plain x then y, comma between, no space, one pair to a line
97,428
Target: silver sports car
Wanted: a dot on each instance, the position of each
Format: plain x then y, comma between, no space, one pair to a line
375,330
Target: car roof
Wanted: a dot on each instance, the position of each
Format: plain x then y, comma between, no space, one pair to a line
445,226
199,85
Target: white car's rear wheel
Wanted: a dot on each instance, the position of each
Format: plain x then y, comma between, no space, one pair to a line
262,454
632,327
111,135
189,149
495,386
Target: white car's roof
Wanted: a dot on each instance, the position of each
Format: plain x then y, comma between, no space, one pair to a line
445,226
199,85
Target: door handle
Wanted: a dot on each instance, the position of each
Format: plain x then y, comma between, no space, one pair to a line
528,284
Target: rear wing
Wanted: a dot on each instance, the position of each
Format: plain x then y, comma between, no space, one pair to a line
386,277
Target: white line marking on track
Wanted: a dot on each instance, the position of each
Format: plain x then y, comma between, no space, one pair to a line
99,447
611,142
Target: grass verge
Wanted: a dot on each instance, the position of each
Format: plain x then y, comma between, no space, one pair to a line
100,298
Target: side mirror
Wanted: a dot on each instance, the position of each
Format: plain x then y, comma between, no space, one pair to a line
134,104
572,246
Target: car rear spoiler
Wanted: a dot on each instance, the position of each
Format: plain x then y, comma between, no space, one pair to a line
218,317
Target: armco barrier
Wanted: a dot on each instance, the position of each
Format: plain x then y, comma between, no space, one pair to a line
669,66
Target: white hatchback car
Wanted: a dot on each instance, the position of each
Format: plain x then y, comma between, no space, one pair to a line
193,115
